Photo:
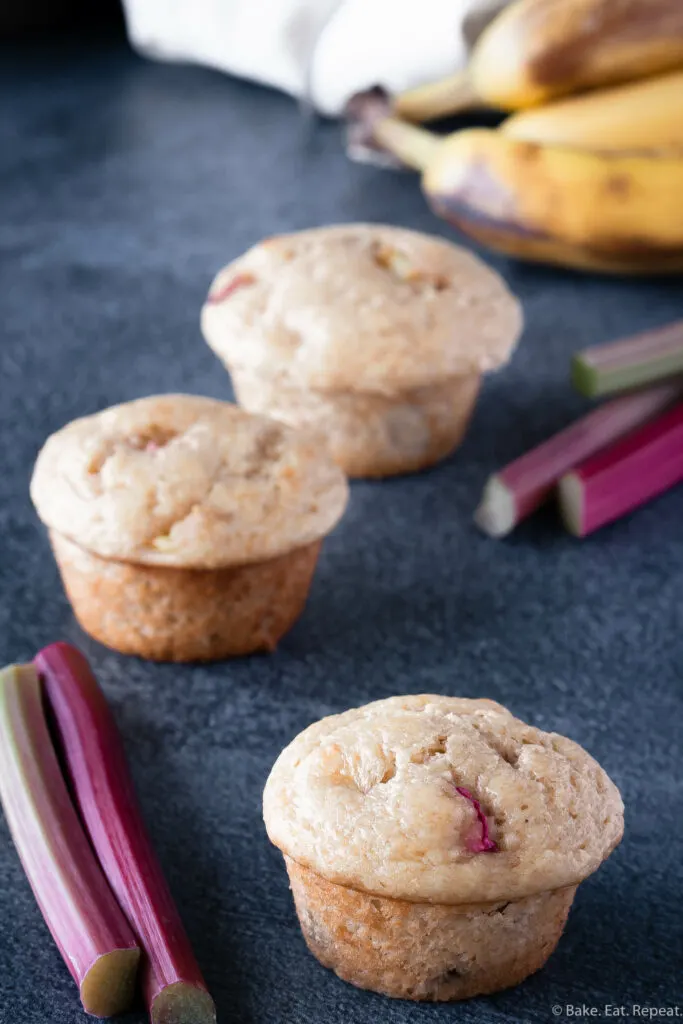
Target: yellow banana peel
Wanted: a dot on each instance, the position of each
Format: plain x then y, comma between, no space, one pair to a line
613,212
537,50
638,116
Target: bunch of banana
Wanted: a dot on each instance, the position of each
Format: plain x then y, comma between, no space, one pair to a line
612,212
592,180
537,50
644,116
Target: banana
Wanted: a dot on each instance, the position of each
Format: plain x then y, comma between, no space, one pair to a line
537,50
615,213
644,115
433,100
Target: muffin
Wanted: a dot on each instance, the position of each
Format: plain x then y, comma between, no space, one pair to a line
374,337
434,844
185,528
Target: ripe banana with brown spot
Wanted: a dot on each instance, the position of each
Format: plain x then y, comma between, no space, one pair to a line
638,116
616,213
537,50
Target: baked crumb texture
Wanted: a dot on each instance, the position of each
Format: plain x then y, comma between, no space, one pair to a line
426,951
369,799
167,614
184,528
373,336
434,844
370,435
186,482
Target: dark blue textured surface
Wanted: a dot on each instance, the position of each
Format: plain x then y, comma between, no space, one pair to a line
123,187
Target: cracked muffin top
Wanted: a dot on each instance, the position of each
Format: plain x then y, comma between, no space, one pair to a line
361,307
184,481
443,800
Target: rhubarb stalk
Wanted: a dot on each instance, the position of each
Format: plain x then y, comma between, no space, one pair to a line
630,363
93,751
625,476
515,492
79,908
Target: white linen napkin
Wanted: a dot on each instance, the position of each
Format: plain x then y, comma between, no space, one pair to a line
322,50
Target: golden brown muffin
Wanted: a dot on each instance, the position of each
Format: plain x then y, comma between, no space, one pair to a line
434,844
374,337
186,528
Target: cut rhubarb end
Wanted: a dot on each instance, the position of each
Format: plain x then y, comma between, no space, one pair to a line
183,1004
619,479
109,986
106,798
584,377
570,494
86,923
629,363
521,487
497,512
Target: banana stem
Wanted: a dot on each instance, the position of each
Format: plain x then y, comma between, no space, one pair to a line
415,147
437,99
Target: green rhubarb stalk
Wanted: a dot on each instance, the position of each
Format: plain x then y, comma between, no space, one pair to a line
629,363
87,924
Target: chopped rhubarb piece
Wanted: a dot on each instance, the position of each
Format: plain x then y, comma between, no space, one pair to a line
631,362
151,439
79,908
515,492
484,843
229,288
625,476
94,755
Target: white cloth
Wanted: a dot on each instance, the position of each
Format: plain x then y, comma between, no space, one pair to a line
322,50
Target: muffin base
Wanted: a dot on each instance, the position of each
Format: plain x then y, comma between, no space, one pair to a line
425,951
169,614
370,435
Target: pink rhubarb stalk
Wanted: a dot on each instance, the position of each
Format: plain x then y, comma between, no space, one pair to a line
94,755
631,362
619,479
484,843
80,910
515,492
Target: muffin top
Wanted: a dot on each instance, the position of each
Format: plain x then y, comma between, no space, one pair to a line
184,481
443,800
361,307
